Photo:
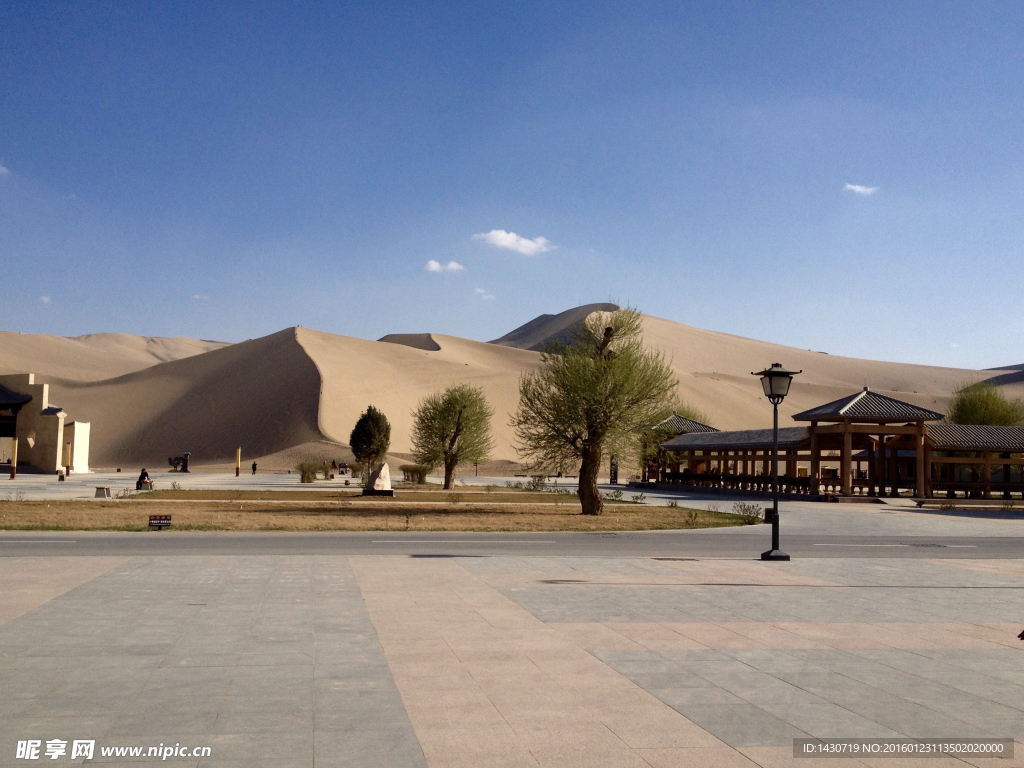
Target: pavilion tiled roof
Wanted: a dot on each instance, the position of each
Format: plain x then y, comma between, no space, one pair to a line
868,406
9,399
682,425
739,440
976,437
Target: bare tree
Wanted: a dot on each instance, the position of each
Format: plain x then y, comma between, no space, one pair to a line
599,393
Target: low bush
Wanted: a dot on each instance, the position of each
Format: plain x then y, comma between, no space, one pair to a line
752,514
308,470
415,473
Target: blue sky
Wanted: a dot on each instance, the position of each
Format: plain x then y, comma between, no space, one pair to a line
840,177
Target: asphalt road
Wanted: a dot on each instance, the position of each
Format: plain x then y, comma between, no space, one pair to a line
740,543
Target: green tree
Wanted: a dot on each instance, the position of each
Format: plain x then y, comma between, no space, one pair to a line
452,427
595,395
982,403
370,439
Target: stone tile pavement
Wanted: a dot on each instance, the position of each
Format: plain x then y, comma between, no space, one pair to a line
505,661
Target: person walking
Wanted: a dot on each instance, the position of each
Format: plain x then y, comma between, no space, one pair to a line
254,467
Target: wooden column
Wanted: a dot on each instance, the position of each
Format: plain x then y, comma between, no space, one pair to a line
1006,476
880,475
986,478
919,490
815,459
846,463
872,468
927,470
893,468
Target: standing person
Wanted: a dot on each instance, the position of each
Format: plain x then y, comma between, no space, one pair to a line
254,467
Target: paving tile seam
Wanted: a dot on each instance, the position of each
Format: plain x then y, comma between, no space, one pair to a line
786,683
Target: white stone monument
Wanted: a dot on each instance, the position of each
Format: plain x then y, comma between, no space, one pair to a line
379,482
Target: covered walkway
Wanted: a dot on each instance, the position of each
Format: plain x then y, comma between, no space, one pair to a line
866,444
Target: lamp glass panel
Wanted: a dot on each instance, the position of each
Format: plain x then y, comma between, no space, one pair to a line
780,385
766,383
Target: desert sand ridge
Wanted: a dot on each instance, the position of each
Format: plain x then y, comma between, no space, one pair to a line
261,394
395,377
276,393
545,328
95,356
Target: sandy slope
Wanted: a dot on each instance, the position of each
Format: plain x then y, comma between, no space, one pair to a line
261,394
93,357
714,375
394,378
298,386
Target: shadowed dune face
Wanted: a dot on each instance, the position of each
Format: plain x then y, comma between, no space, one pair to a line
424,341
94,357
262,395
539,331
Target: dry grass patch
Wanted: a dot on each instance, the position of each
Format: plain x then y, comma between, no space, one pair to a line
133,515
402,494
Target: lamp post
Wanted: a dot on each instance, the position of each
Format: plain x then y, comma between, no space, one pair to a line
775,381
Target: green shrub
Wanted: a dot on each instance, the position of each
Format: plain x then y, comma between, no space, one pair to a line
982,403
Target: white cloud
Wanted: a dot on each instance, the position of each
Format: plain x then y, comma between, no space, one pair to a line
861,190
499,238
436,266
44,299
484,295
200,297
3,171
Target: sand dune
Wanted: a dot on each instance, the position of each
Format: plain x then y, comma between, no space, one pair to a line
280,394
93,357
262,395
544,328
394,378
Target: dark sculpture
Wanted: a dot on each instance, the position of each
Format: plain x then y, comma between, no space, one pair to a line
180,463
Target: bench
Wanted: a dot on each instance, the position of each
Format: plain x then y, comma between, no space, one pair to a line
102,492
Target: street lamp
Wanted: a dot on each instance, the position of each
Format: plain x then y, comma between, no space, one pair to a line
775,381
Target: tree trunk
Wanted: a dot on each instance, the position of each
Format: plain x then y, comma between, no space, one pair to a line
590,497
449,475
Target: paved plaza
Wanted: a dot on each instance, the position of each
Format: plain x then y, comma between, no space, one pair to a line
282,660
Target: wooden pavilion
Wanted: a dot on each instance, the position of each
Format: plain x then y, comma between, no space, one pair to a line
865,444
